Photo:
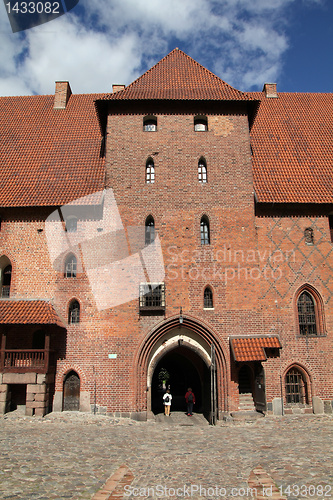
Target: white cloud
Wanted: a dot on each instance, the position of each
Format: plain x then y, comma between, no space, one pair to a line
114,42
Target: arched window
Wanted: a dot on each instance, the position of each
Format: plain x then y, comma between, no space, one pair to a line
208,298
74,312
70,266
5,276
296,389
149,230
150,124
306,314
200,123
71,224
150,171
204,231
202,170
6,279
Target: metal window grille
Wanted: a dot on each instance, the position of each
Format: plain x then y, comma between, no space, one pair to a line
150,125
71,267
152,295
150,173
202,172
208,298
204,227
295,388
74,313
306,315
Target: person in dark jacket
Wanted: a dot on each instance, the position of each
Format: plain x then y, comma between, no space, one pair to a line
190,401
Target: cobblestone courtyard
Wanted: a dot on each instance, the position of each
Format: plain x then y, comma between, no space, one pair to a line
72,455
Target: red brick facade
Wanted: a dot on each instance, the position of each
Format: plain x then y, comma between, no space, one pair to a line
258,261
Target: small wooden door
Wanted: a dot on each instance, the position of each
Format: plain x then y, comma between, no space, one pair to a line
72,392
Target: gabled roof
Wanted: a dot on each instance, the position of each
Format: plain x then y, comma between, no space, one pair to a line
178,76
292,144
28,312
49,156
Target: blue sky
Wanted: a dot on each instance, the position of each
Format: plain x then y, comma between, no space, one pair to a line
101,42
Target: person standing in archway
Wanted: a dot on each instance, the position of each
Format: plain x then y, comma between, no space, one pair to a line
190,401
167,402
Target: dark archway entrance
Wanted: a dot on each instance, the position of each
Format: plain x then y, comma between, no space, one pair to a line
186,369
71,392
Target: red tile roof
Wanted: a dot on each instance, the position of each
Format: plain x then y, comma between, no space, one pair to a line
252,348
178,76
25,312
292,143
49,157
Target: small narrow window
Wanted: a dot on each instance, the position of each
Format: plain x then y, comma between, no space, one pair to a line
150,172
70,266
308,236
74,312
71,224
150,124
296,392
202,171
200,124
306,314
330,220
204,229
208,298
149,230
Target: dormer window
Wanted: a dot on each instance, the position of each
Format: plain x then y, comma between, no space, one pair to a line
200,124
150,124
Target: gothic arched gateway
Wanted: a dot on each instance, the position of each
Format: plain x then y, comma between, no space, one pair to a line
194,357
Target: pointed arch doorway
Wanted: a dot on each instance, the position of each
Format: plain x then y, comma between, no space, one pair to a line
183,368
195,358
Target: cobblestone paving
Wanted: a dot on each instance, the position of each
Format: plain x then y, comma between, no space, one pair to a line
72,455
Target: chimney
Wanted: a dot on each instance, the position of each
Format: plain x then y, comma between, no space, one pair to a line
270,90
62,95
116,88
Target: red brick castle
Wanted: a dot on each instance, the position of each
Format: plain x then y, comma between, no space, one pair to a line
175,232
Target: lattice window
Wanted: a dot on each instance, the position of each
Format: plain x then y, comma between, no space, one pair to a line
208,298
204,230
74,312
150,172
149,230
6,280
152,296
306,314
202,171
295,387
71,266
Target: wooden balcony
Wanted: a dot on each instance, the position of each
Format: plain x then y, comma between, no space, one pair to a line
26,360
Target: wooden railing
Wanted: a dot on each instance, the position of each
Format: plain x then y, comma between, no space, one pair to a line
25,360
